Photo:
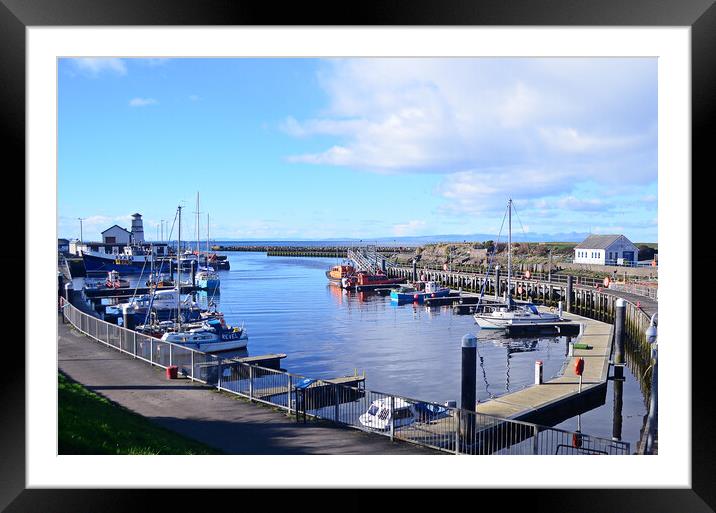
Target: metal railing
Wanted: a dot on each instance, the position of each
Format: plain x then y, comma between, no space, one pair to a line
423,423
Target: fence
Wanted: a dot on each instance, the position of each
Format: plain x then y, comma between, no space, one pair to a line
423,423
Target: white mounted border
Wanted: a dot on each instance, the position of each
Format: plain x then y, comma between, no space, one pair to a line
671,468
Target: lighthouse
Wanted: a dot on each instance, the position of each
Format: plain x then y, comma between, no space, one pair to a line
137,229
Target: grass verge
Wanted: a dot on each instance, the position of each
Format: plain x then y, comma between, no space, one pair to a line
91,424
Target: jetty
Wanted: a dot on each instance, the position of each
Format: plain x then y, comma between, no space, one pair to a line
560,398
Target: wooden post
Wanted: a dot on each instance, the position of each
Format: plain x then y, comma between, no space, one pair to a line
568,293
619,339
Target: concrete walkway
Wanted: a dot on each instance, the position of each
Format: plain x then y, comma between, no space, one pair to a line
199,412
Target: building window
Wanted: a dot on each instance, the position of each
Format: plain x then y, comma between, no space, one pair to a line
110,240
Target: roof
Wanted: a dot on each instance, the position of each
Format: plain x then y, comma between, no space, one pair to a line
136,215
63,241
108,229
599,241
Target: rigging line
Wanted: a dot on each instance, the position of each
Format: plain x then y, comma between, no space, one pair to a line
522,227
489,263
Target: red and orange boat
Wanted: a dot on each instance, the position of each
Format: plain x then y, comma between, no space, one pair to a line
338,272
363,278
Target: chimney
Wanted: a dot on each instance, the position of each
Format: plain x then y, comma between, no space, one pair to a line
137,229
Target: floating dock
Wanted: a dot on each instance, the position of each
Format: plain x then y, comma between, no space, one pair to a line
559,398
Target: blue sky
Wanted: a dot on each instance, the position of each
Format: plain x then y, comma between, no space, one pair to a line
323,148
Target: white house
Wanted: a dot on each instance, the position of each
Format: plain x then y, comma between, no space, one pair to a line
116,235
606,250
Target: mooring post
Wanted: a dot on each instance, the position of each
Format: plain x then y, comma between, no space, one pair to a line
569,293
652,419
617,412
193,275
538,372
468,400
620,308
415,270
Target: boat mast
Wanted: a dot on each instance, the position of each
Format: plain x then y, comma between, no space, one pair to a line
207,239
509,251
179,273
197,227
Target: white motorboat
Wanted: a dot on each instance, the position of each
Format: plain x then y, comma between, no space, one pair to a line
212,335
379,417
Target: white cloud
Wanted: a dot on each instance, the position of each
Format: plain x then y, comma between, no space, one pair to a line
94,66
142,102
528,129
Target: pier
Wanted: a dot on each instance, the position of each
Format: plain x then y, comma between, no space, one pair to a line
558,399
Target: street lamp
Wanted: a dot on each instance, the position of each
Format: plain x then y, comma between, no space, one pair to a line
81,219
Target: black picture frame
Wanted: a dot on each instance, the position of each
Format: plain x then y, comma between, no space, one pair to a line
700,15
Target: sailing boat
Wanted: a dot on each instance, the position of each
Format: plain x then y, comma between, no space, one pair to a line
213,334
512,314
207,278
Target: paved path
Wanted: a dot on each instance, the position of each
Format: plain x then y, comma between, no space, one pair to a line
199,412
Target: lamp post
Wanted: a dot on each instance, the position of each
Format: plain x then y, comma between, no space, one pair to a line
81,219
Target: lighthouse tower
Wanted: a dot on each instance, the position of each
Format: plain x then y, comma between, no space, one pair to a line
137,229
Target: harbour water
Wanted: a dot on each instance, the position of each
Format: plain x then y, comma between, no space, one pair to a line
287,306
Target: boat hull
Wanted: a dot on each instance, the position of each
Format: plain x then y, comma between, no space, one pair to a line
210,284
416,297
487,322
99,264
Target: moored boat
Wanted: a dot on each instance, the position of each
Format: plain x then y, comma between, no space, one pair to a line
207,279
212,335
364,278
511,313
336,273
113,281
418,292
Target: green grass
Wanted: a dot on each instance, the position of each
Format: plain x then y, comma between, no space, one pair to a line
91,424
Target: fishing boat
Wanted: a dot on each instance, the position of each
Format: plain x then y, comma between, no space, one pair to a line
418,291
363,278
212,335
510,314
207,279
160,281
113,281
336,273
133,259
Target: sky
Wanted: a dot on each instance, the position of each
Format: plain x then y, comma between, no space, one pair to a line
358,148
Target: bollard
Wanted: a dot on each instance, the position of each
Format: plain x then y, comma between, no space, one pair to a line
538,372
469,384
620,310
559,309
652,418
415,270
569,293
617,412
